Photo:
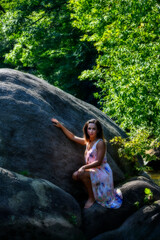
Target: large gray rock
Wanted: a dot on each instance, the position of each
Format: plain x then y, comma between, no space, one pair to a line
30,143
144,224
35,209
98,219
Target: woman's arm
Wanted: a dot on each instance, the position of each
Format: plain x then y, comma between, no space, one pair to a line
69,134
100,156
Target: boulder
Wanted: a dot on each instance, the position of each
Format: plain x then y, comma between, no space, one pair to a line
35,209
31,144
144,224
98,219
39,205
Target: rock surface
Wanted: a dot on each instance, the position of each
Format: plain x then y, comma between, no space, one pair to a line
30,143
35,209
144,224
98,219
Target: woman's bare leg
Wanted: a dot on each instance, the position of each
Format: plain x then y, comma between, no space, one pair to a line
85,178
87,182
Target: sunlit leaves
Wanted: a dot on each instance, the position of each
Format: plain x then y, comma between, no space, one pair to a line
139,144
37,37
126,36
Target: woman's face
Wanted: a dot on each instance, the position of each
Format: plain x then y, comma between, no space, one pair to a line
92,131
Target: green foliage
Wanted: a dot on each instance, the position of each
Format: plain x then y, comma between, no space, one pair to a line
125,34
37,37
137,205
25,173
148,198
138,144
73,219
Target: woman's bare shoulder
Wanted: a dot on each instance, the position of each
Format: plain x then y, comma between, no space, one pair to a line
101,144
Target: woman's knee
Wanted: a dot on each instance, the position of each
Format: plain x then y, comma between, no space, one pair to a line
83,176
75,175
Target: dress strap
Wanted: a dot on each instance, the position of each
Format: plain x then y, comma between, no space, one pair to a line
94,145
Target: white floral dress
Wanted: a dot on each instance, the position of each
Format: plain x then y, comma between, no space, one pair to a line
102,181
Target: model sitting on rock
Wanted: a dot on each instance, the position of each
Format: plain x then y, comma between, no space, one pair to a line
96,174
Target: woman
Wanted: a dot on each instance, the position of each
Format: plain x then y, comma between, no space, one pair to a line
96,174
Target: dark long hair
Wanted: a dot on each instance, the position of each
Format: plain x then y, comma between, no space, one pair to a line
99,129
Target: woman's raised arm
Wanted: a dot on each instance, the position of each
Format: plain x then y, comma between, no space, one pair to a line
69,134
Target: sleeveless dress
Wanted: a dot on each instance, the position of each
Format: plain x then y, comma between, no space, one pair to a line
102,181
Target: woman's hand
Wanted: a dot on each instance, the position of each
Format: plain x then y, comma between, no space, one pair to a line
81,169
56,122
69,134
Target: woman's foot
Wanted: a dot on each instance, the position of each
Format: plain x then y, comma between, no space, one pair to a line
89,203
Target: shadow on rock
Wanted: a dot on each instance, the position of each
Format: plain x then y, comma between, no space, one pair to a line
98,219
144,224
36,210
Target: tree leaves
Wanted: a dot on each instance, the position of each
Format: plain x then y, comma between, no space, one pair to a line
126,36
38,37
